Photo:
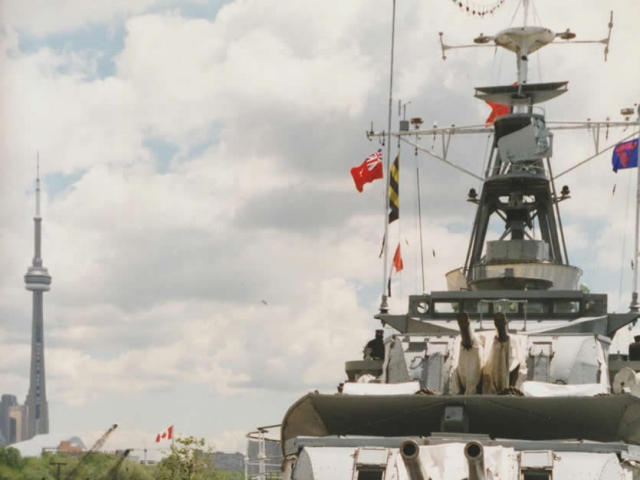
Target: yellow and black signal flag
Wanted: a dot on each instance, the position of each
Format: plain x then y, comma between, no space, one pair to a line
394,190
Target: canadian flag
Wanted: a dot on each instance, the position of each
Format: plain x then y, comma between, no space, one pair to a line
166,435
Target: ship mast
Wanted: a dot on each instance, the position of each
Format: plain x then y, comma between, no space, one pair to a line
384,307
518,183
525,4
635,306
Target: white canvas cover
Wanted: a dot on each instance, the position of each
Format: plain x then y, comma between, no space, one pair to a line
543,389
407,388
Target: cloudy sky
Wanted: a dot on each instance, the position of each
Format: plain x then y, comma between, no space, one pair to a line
211,258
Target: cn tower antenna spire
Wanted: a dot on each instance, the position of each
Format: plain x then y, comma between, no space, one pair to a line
38,185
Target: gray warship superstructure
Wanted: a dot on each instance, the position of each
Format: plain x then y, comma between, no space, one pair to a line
507,374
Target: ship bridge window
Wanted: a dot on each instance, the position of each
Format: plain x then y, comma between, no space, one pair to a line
536,465
536,475
566,307
371,463
533,307
474,306
446,307
369,473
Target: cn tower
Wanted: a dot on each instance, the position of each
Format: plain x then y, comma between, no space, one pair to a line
38,281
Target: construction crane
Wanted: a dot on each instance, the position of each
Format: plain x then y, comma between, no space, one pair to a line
75,472
113,471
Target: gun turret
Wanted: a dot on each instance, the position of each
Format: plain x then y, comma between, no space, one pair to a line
410,452
474,452
469,367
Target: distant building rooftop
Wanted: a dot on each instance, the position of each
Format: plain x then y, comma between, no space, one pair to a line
50,442
229,462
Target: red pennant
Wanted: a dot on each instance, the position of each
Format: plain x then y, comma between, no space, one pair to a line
397,260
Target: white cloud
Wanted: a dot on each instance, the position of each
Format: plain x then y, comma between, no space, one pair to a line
41,17
73,123
230,78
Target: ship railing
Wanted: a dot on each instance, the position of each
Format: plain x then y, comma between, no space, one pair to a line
539,111
266,475
268,467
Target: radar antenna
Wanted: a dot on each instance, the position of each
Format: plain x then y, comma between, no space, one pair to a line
484,40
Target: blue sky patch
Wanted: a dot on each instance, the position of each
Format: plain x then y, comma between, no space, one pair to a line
105,41
165,152
207,10
56,183
162,151
458,227
213,137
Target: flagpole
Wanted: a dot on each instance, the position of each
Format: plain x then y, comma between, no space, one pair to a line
420,226
634,307
384,307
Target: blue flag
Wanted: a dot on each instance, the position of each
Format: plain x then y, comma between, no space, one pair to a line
625,155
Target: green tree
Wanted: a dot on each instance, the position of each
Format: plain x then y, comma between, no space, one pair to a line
220,475
11,458
188,459
7,473
11,463
35,470
230,475
130,470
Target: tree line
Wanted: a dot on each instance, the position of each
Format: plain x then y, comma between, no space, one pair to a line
187,459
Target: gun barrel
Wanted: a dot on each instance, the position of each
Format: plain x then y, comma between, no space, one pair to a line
410,452
500,321
465,330
474,452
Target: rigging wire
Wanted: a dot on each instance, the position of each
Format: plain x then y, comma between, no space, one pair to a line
420,220
537,21
579,164
539,65
624,240
493,65
487,155
499,63
536,17
399,224
502,51
515,13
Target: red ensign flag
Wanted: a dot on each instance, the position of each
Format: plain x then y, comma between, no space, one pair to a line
370,170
